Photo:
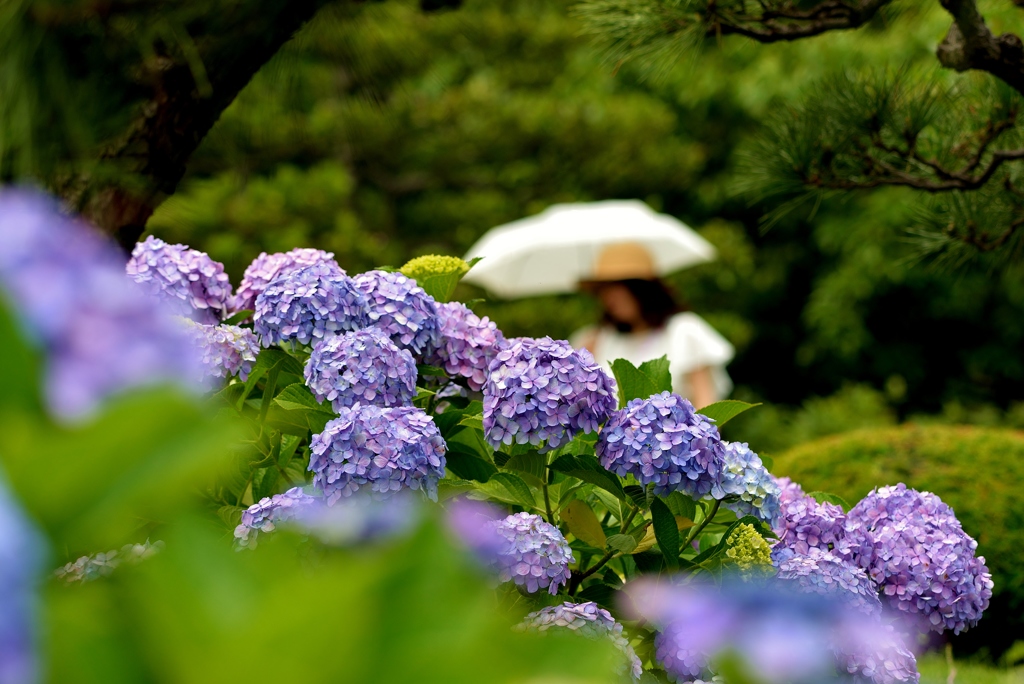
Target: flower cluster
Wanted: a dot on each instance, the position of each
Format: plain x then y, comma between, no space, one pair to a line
587,619
361,367
662,441
884,659
267,267
745,476
530,552
21,553
788,490
88,568
190,280
468,343
386,448
268,512
226,350
822,572
804,523
359,519
402,309
913,547
434,265
749,551
100,334
542,392
309,304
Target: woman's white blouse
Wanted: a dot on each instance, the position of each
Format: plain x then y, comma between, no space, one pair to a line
687,339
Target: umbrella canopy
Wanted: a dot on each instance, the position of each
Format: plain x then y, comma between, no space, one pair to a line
554,250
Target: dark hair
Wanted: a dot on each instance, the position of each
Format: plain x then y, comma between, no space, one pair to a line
657,304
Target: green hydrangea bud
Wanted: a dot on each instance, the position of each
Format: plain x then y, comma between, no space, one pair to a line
433,265
749,552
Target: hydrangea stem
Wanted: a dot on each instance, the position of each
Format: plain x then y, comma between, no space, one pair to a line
578,579
547,502
697,529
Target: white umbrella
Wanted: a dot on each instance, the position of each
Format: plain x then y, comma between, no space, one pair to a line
554,250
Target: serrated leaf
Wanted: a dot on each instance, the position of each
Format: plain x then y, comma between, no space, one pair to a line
588,469
637,495
657,370
510,488
448,488
423,369
238,317
825,497
297,397
531,463
721,412
442,286
681,505
632,382
466,465
666,531
646,540
582,522
473,421
623,543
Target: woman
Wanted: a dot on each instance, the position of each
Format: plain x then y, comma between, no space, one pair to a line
642,321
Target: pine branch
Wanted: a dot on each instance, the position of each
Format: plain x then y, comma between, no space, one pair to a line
969,44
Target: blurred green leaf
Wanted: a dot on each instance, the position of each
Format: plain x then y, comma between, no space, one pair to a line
20,367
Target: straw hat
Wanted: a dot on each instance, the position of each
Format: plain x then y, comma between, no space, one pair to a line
623,261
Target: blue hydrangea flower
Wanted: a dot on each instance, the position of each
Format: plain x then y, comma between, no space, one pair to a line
226,350
21,553
468,343
387,449
542,392
745,476
402,309
913,547
359,519
270,511
100,334
97,565
803,523
188,279
662,441
590,620
267,267
361,367
524,549
309,304
822,572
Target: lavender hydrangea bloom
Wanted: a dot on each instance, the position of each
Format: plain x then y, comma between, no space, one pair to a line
543,392
528,551
20,556
361,367
822,572
402,309
264,515
386,448
190,280
590,620
788,490
884,659
803,523
745,476
267,267
468,343
309,304
913,547
226,350
662,441
101,335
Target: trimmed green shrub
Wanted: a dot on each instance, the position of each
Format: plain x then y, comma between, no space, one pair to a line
978,471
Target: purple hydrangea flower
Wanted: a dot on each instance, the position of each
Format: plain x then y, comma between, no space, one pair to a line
524,549
913,547
662,441
190,280
309,304
267,267
97,565
361,367
822,572
788,490
468,343
745,476
882,657
803,523
543,392
590,620
386,448
226,350
264,515
101,335
21,554
402,309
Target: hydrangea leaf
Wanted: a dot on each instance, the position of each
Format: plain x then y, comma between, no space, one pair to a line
509,488
582,522
296,397
657,370
645,539
624,543
723,411
666,531
588,469
467,465
681,505
20,366
632,382
825,497
238,317
531,463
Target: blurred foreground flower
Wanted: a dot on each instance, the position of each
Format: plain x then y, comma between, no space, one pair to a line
520,548
662,441
402,309
309,304
88,568
543,392
190,281
267,267
361,367
21,554
468,343
591,621
386,448
101,335
783,635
